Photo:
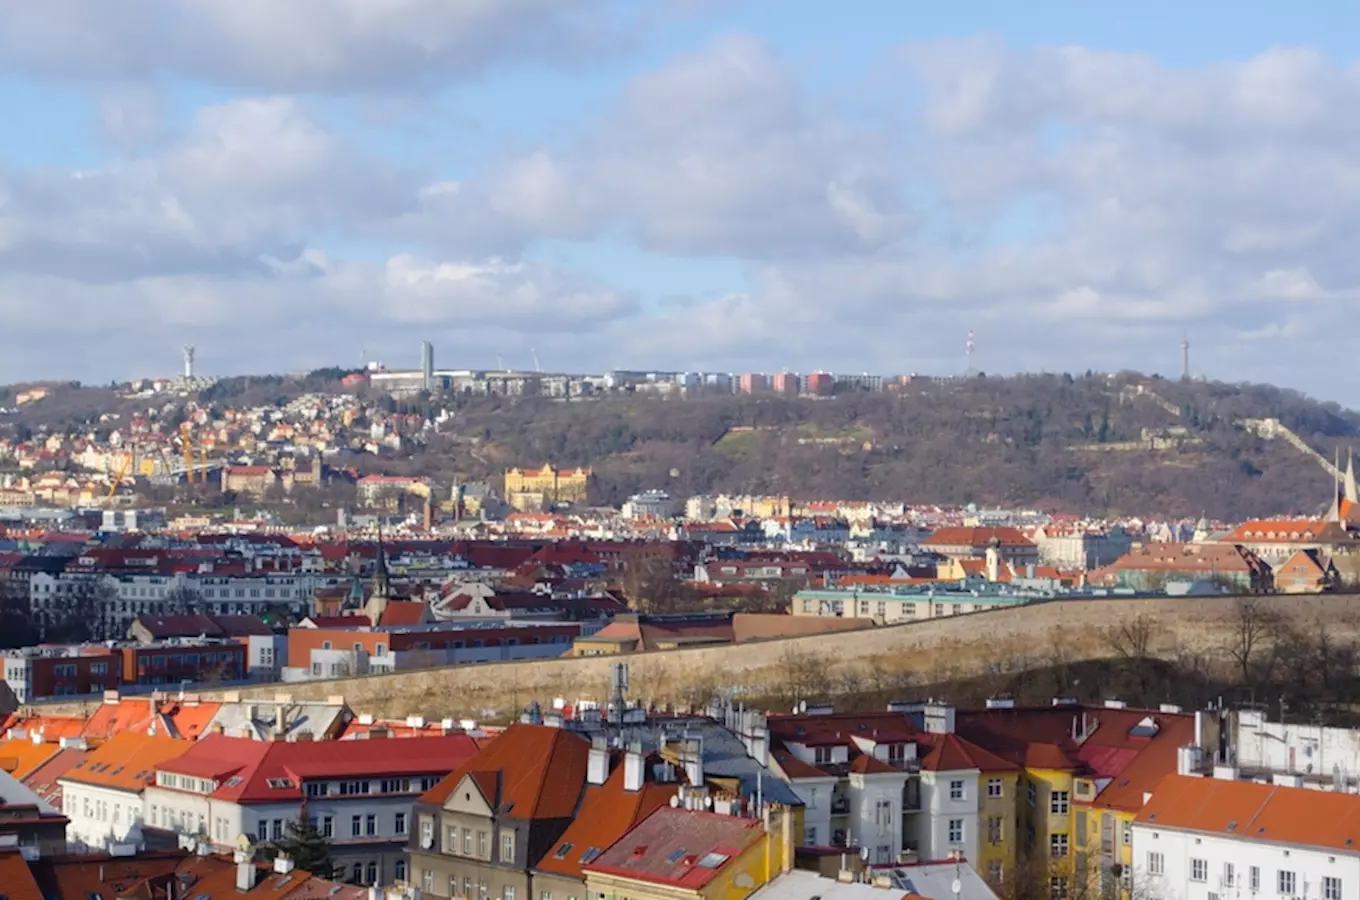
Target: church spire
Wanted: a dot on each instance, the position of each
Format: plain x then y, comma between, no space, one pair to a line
1334,512
1351,493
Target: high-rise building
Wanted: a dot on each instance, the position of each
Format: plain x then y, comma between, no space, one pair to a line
786,383
819,384
427,365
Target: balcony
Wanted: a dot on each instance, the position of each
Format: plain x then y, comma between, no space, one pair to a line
840,805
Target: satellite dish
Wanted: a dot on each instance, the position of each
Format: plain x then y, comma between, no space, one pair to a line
675,801
864,853
956,886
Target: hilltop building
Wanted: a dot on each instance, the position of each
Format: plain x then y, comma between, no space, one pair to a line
531,489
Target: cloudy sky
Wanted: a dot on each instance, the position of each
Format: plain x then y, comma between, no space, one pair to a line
686,184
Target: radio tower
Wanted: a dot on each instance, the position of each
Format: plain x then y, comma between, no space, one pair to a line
968,349
188,362
1185,356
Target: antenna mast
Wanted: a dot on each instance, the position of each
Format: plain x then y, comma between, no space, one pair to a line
968,353
1185,356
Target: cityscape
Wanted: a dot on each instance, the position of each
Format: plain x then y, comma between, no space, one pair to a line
678,450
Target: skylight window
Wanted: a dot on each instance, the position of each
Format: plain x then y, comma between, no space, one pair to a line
562,851
591,854
675,857
279,783
713,861
234,781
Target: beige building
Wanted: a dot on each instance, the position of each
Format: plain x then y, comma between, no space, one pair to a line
554,486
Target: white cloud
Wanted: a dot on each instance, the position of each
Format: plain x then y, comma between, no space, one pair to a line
299,45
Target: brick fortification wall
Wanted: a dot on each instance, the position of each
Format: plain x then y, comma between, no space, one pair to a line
964,646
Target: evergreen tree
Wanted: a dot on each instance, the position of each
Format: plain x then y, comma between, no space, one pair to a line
309,850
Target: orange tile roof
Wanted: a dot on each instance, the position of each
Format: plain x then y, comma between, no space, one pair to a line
53,728
1153,763
183,718
127,761
607,813
25,756
952,753
536,771
1259,812
16,878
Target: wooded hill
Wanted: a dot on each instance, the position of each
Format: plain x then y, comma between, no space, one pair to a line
1057,442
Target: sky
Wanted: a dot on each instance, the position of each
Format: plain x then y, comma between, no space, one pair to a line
734,185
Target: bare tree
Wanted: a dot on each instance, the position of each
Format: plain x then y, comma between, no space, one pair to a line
802,675
1131,641
182,600
1251,632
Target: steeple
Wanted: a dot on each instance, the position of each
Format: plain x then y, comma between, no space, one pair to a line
1351,494
381,589
1334,512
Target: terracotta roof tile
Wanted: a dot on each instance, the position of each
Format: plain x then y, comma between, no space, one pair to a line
607,813
16,878
669,845
126,761
20,756
536,771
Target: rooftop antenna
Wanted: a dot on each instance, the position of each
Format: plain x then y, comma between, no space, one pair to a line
1185,356
969,347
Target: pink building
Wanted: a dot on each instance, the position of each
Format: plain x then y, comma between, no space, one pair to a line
753,383
819,384
786,383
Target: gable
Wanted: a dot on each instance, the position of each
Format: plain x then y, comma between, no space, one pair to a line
468,798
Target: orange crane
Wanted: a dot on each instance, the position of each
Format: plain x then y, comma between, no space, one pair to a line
117,480
187,439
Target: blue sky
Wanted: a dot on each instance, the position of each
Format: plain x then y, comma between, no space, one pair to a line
678,184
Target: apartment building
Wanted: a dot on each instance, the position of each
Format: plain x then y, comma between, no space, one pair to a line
480,831
103,794
1200,838
359,794
29,822
40,673
903,604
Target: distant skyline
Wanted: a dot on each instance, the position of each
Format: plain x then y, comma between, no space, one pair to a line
680,184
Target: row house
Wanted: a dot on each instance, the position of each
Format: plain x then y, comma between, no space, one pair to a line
358,794
103,794
1201,838
46,672
889,607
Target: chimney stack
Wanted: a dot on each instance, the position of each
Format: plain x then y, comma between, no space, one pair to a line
597,763
632,768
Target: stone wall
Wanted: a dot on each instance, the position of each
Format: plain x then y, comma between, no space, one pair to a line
958,647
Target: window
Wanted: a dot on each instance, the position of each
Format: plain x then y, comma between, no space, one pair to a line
1057,803
810,835
1032,793
1254,878
1127,836
357,873
356,826
483,845
1199,870
507,848
1331,888
956,831
956,790
276,832
451,845
399,823
427,881
372,873
1286,883
994,835
371,825
327,826
821,755
508,893
1057,888
994,871
1156,864
1057,846
467,841
993,787
1229,874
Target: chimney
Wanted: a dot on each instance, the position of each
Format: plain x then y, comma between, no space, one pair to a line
632,768
246,872
939,718
1189,760
282,864
694,759
597,763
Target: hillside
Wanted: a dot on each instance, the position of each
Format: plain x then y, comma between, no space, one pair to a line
1050,441
1124,445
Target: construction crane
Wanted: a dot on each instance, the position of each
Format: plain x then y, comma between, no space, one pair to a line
117,480
187,440
538,366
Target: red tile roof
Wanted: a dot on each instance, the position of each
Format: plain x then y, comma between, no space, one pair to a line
606,814
16,878
956,535
1256,812
669,845
288,764
951,753
533,771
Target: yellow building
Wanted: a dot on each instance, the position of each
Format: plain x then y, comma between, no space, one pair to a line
687,854
998,849
556,486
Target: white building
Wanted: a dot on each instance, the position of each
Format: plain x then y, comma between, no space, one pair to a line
103,795
1320,754
358,794
1219,837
